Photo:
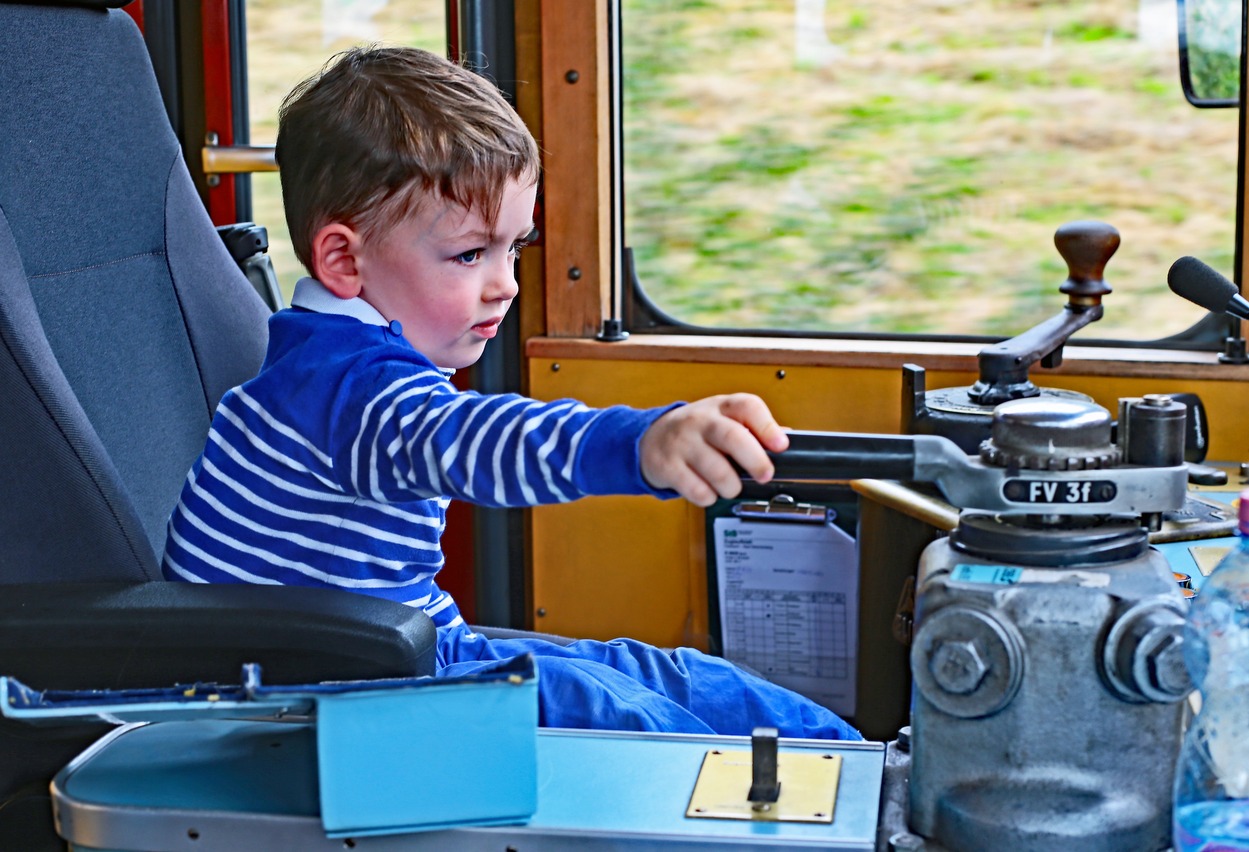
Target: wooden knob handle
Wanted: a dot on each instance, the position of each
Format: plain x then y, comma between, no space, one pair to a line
1087,247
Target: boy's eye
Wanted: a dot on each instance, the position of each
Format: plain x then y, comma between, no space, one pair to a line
470,256
524,241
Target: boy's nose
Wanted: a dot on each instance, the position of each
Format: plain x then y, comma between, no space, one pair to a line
503,286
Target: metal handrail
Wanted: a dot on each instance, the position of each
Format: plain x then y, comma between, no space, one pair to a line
239,159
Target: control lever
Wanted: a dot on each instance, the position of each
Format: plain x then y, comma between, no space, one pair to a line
1204,474
1086,246
968,482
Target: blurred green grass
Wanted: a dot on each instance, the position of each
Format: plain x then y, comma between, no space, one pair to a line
902,166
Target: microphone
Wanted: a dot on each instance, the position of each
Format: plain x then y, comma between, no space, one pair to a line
1191,279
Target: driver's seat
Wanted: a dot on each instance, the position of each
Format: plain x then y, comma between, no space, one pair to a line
123,320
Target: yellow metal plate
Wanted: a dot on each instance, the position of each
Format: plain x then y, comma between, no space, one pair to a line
808,787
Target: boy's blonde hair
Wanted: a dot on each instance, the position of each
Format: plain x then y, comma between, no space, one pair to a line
379,129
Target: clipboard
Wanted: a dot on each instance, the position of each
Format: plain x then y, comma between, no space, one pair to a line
783,582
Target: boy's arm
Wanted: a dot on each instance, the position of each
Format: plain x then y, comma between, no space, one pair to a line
688,449
418,437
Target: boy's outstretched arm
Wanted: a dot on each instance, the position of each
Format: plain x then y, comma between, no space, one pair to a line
688,449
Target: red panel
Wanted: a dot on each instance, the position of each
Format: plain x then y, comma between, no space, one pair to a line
218,103
458,577
453,31
135,10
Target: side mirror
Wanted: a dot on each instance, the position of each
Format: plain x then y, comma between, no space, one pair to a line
1210,40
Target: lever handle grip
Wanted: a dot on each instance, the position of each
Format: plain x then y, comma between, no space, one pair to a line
845,455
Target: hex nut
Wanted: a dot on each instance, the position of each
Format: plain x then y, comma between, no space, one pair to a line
981,689
1167,670
958,666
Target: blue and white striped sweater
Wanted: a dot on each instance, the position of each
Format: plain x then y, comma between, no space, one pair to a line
336,464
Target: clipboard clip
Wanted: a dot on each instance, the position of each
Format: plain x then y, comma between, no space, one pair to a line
782,507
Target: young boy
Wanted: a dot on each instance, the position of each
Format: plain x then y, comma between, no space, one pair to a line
409,187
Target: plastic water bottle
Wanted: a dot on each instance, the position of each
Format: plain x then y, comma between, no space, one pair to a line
1212,776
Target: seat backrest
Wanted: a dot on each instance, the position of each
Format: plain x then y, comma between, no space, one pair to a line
110,362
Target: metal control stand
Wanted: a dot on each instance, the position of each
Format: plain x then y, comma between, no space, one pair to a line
1047,645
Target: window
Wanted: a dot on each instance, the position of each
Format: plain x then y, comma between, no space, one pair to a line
900,167
287,41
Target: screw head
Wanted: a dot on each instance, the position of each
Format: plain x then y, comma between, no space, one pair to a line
572,76
958,666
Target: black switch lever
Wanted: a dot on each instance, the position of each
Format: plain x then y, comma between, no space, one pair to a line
764,787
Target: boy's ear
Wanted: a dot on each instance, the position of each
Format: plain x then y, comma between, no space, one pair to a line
335,261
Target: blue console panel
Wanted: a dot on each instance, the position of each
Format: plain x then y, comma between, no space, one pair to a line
210,785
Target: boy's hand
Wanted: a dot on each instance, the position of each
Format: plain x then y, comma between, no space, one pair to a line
688,449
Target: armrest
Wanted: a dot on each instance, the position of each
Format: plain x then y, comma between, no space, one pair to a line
248,244
124,635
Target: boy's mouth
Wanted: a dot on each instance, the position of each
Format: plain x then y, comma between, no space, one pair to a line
489,328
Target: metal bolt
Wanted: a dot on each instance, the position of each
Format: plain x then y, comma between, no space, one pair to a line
780,374
555,367
957,666
1159,400
1167,671
572,76
904,738
541,611
574,273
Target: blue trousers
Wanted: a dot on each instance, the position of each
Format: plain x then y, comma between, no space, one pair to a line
626,685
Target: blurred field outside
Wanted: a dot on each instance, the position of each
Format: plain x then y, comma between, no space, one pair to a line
898,166
901,166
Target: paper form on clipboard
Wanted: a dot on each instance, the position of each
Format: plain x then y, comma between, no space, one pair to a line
789,605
